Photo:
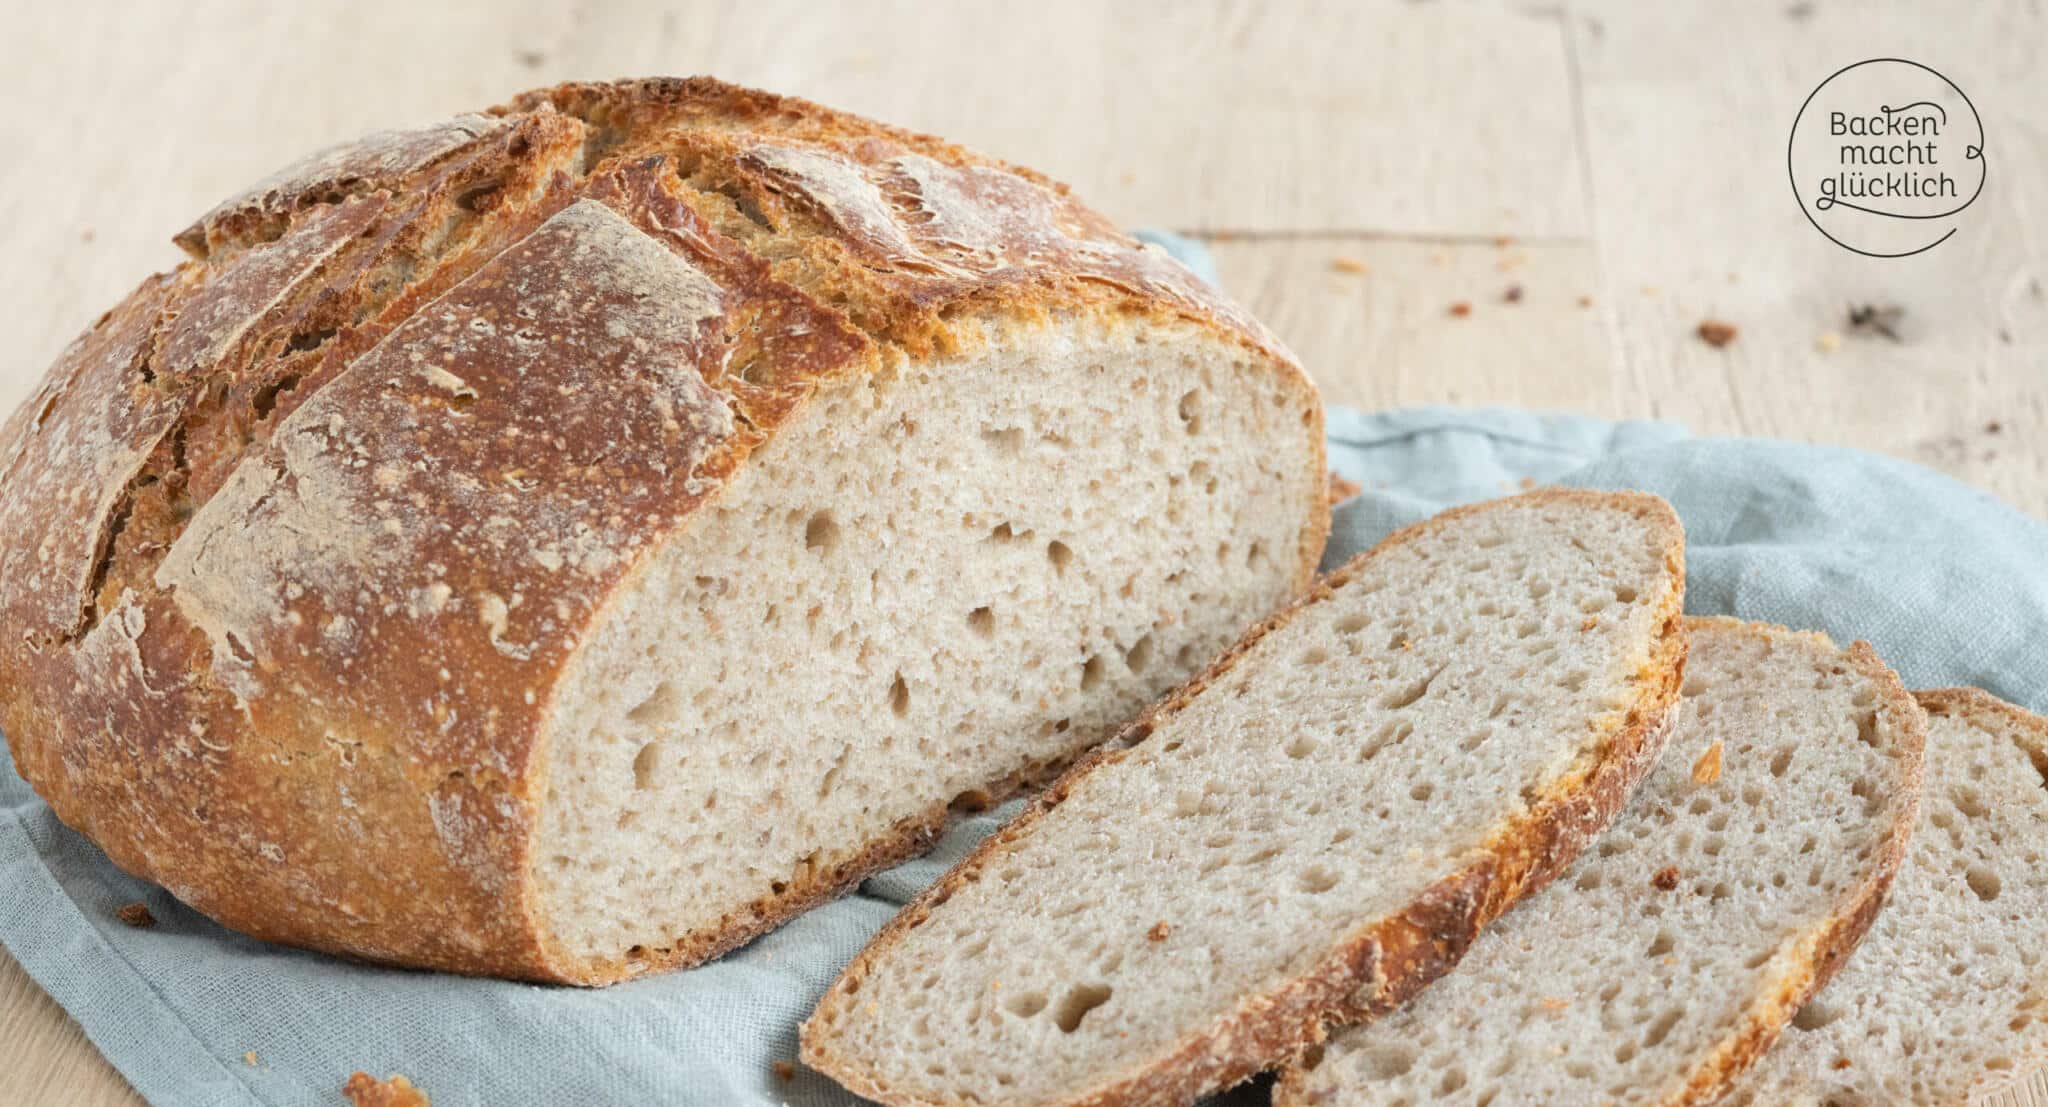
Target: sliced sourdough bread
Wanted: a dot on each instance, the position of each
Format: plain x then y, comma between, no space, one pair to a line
1312,829
1663,962
1946,1001
565,541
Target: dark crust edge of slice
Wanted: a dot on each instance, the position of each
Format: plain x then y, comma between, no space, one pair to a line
1387,960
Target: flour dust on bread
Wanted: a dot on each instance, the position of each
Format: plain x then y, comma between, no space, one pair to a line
1945,1002
1312,829
1672,953
565,541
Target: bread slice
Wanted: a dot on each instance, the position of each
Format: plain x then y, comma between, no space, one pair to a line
1313,828
566,541
1662,963
1945,1003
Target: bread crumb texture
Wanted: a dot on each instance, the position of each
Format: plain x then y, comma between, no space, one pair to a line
1688,934
1317,816
1946,1000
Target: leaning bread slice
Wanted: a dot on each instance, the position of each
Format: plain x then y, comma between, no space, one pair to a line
1315,826
1673,952
1946,1002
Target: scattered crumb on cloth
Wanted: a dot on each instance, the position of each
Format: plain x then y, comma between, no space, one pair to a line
784,1070
136,915
363,1091
1341,489
1716,333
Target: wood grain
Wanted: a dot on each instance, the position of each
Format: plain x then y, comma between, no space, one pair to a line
1632,153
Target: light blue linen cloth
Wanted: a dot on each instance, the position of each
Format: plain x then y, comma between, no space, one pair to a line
1949,585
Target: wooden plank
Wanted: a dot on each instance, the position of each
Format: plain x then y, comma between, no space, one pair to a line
1687,112
45,1058
1192,116
1392,336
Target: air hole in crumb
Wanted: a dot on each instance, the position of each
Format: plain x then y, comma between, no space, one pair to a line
1815,1015
1191,412
1352,623
1984,882
1422,791
1008,441
1389,1061
821,533
1139,657
1624,593
1060,555
1315,880
1781,761
1662,944
1076,1004
899,696
647,765
661,706
1866,728
1661,1029
982,620
1314,655
1301,746
1091,674
1025,1004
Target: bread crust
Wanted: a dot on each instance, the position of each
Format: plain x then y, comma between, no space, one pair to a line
1817,957
296,552
1384,962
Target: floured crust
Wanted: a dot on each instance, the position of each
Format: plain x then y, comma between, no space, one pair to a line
300,538
1381,965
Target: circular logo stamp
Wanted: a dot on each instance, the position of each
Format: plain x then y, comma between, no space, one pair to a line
1884,157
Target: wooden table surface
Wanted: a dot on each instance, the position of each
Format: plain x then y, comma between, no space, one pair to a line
1619,164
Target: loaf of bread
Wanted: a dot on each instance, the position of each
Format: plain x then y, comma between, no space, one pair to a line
1945,1003
1308,832
563,541
1671,955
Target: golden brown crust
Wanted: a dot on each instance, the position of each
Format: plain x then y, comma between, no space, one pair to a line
1385,961
299,538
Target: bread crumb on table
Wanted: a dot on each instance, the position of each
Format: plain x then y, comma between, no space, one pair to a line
1460,310
1708,768
1665,879
136,915
1513,295
1159,931
363,1091
1828,342
784,1070
1716,333
1345,263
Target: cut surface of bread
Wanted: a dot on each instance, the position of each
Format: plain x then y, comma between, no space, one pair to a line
932,585
1659,965
1945,1002
563,541
1312,828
